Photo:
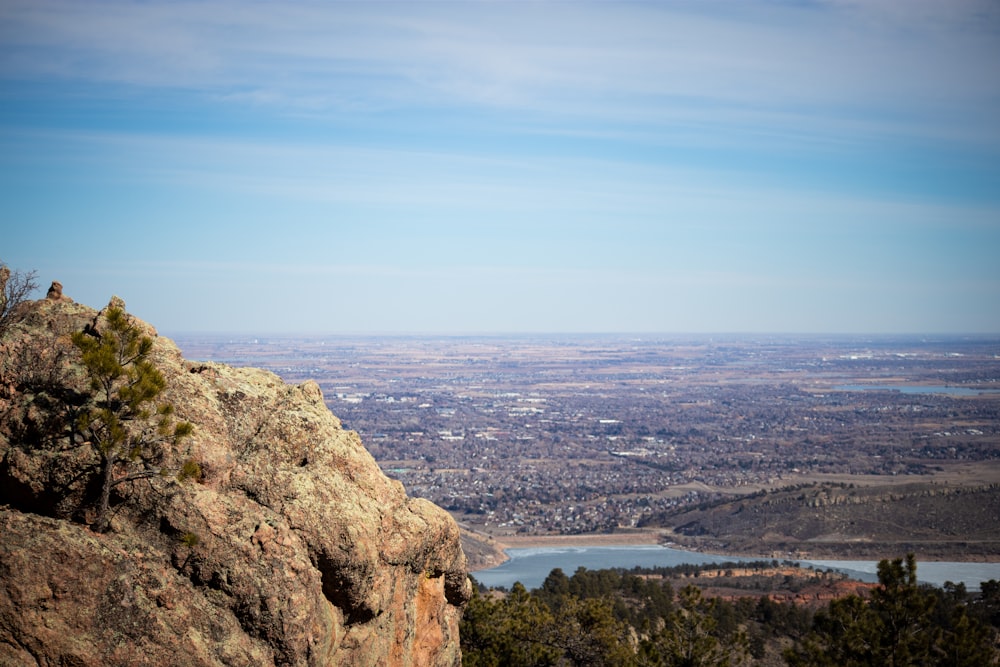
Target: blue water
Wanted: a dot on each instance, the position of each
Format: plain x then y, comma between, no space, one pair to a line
531,566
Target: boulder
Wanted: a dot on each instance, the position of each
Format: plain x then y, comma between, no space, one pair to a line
291,548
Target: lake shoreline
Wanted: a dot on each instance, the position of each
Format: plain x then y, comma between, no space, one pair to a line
531,565
499,545
815,551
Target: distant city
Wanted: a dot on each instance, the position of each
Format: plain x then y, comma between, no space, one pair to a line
541,435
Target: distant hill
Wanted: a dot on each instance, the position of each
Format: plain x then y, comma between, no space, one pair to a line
932,520
481,552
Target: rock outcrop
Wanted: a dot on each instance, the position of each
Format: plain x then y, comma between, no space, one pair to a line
56,294
292,548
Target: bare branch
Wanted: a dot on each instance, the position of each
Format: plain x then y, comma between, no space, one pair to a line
15,288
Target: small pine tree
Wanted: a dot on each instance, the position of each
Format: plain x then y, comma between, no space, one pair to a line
690,636
124,423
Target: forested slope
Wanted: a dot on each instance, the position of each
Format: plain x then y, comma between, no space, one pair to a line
670,617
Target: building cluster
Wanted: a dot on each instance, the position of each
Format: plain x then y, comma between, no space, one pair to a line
576,435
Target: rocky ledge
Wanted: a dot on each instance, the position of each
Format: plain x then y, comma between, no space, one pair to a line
287,547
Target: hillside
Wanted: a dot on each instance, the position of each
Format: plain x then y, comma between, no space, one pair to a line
269,536
757,613
932,520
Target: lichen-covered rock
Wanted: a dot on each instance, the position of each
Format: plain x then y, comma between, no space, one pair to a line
291,549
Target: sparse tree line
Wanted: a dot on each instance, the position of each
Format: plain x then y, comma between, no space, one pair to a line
635,618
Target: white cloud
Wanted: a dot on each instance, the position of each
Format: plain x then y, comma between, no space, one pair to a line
634,62
713,155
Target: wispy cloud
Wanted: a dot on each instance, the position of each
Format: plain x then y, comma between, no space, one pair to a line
655,64
715,158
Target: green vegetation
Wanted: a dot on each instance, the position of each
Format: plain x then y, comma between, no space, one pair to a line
123,422
523,629
900,624
636,618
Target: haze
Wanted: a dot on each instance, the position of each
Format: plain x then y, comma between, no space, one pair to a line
464,167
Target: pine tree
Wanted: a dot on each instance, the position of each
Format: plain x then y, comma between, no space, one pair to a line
903,613
689,637
897,626
123,423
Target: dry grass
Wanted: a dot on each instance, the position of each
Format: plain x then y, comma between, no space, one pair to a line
632,538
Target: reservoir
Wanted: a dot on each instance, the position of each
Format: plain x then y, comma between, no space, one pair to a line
530,566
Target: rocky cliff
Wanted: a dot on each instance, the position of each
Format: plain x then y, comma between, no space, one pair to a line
287,546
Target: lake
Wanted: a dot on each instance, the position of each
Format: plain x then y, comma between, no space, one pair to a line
530,566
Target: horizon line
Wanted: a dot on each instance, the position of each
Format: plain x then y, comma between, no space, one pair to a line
595,334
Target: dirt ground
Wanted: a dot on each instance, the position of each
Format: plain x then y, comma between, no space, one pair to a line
630,539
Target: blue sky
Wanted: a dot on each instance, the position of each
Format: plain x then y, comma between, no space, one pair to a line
491,167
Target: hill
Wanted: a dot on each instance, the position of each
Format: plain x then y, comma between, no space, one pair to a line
843,520
268,536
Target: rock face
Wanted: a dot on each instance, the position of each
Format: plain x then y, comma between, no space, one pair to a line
55,292
291,549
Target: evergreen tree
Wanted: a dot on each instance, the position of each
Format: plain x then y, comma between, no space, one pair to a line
902,613
899,625
844,635
123,422
508,632
611,618
690,637
587,634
